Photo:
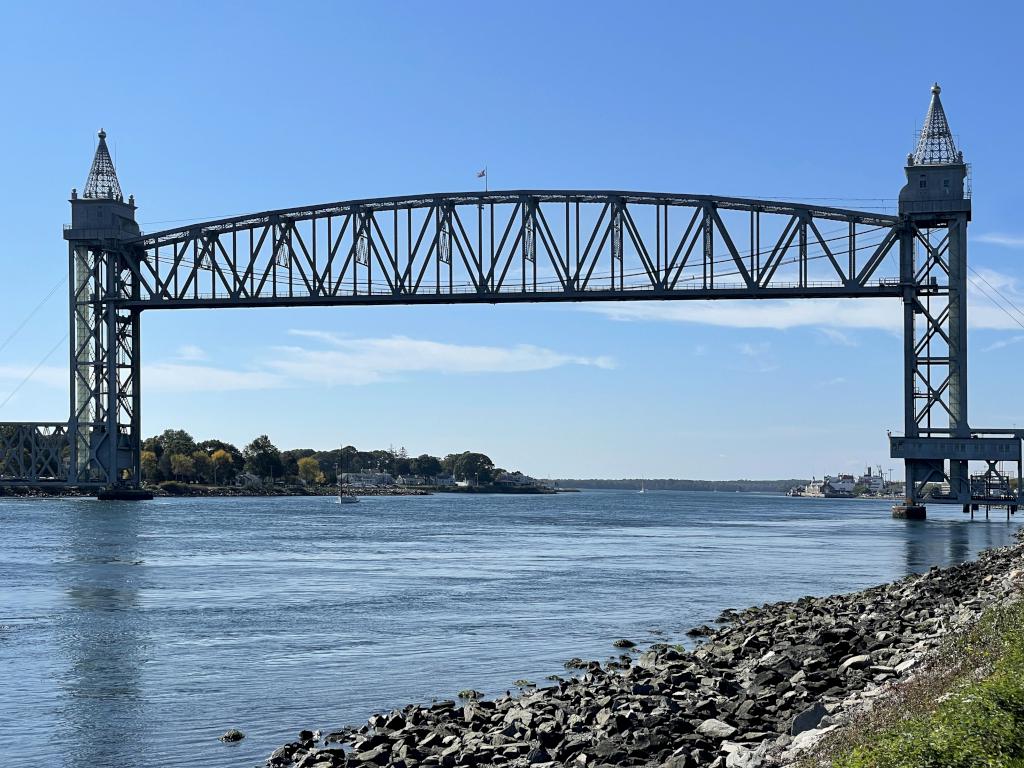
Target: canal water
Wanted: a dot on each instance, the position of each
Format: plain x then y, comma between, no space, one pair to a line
134,635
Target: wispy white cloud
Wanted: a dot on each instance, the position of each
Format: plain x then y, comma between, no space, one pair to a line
987,290
183,377
998,238
45,375
1003,343
329,359
995,300
191,353
752,350
761,358
839,337
341,360
780,314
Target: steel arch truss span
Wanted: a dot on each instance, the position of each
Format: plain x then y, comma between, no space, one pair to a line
518,246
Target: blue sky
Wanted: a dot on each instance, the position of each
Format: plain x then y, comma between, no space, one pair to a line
221,108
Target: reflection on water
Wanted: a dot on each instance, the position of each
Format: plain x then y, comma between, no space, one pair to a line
134,635
946,540
101,638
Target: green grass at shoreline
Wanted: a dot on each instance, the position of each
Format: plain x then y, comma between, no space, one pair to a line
966,711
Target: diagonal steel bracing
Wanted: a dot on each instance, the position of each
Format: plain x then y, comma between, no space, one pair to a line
520,246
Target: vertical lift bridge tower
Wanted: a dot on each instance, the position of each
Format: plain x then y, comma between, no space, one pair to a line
938,443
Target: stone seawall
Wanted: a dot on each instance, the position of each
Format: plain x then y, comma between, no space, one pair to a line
756,690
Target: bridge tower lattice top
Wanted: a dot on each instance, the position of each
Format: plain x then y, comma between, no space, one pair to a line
935,145
102,182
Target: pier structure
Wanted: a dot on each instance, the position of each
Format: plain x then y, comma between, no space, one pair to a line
517,246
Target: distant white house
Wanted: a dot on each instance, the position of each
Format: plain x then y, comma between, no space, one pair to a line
515,480
411,480
367,479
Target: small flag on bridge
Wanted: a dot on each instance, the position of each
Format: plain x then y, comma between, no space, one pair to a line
481,174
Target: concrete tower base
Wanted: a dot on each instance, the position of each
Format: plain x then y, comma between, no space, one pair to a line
909,512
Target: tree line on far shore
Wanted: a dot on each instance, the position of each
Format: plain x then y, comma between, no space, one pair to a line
667,484
174,455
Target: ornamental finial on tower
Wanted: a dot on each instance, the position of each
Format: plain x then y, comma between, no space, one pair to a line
102,182
935,144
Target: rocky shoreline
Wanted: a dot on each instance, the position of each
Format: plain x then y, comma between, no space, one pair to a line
758,690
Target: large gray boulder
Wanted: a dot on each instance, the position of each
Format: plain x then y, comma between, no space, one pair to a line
716,729
808,719
855,662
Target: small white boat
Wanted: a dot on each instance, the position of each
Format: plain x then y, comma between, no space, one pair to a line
643,489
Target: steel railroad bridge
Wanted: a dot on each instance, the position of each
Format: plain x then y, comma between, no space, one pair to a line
527,246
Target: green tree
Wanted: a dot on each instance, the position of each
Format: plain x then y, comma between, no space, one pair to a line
182,466
212,446
262,458
223,465
177,441
174,442
152,444
476,467
203,466
309,470
379,461
401,463
448,463
290,460
150,466
426,465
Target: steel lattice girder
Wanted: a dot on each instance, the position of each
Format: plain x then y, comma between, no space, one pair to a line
104,423
518,246
34,453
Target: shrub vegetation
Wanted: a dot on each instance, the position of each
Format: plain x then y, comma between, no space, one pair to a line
965,711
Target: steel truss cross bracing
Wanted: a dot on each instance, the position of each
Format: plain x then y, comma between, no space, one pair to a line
518,246
522,246
34,453
104,427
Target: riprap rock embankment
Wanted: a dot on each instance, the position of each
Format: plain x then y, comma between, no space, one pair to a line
756,690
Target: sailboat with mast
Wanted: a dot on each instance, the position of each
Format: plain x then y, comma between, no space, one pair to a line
343,497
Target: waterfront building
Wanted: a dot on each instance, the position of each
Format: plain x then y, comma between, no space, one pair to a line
367,479
515,480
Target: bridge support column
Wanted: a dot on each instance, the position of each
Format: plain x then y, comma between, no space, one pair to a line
104,421
935,209
105,440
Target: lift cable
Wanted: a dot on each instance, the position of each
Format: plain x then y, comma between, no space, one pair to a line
31,314
1005,298
997,303
32,373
